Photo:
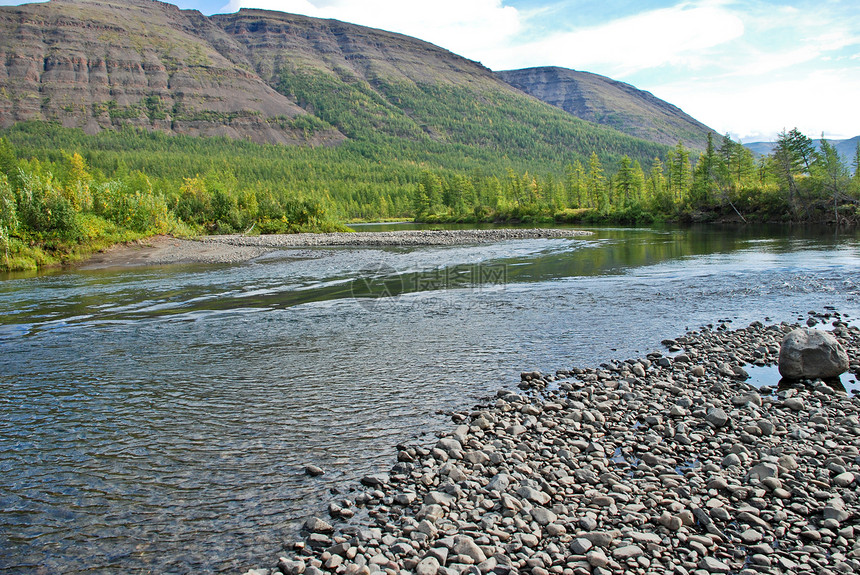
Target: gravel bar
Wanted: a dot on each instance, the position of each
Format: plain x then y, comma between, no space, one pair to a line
671,463
395,238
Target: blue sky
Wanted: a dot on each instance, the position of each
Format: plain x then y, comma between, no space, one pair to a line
747,68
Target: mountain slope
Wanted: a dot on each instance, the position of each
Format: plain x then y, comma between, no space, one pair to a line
280,78
384,87
611,103
101,64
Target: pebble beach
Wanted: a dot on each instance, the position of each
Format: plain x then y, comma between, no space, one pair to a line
237,248
669,463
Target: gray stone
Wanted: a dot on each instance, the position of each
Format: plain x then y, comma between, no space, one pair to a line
793,403
427,566
580,546
466,546
599,538
588,523
844,479
627,552
500,482
317,525
751,537
811,354
313,470
763,471
717,417
532,494
712,565
730,460
375,480
290,567
543,516
597,558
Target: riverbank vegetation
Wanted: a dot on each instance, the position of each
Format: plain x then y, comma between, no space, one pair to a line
797,183
64,194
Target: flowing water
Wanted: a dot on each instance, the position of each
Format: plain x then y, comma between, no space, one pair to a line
158,420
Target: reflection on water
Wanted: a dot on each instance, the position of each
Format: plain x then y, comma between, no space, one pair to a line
159,419
769,378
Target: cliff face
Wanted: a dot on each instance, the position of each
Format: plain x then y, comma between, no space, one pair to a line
97,65
609,102
275,40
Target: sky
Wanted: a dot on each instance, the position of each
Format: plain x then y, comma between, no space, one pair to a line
746,68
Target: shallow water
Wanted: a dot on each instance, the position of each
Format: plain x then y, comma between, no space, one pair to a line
159,419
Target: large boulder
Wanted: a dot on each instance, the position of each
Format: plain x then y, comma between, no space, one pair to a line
810,354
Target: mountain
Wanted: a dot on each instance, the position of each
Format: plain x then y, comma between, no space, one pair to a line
846,148
611,103
101,64
280,78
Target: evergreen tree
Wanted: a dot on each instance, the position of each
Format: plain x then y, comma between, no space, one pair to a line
679,173
596,186
627,189
857,161
786,163
833,174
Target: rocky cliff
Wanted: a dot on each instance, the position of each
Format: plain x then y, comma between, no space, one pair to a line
142,63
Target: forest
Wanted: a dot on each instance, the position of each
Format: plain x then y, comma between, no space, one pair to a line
64,194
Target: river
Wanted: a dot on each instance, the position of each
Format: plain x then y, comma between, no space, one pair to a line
158,420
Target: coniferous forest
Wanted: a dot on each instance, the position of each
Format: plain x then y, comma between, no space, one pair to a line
64,194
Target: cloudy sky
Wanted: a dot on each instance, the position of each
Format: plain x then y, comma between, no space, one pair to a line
749,68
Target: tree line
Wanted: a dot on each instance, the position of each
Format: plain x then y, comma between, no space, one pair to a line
64,194
798,182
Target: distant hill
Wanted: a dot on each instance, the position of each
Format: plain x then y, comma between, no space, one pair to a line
846,148
611,103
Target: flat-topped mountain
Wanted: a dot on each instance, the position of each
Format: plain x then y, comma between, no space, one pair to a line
101,64
611,103
280,78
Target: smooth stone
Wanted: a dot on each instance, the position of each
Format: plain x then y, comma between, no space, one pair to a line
314,471
291,567
580,546
427,566
844,479
712,565
793,403
543,516
597,558
317,525
588,523
717,417
533,494
811,354
627,552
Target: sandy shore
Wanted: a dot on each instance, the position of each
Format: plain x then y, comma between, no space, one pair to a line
163,250
663,464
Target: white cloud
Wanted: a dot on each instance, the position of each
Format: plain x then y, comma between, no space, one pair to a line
465,27
819,102
677,36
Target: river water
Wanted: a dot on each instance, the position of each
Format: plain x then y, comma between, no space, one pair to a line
158,420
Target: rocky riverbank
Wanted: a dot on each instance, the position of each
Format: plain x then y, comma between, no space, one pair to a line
670,463
227,249
394,238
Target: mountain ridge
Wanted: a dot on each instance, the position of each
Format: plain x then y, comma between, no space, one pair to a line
612,103
846,148
273,77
